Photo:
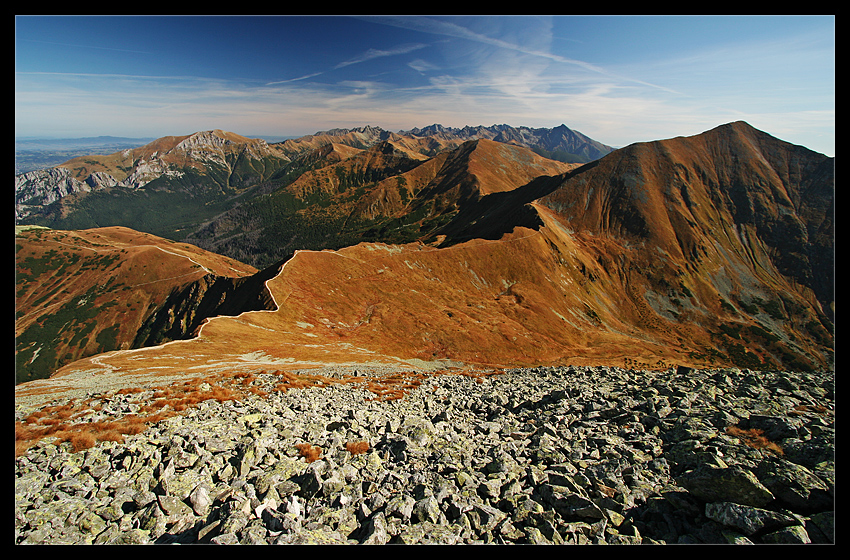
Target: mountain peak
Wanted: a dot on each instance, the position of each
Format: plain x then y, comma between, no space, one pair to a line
366,129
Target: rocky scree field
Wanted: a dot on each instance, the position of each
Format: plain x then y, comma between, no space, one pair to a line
340,456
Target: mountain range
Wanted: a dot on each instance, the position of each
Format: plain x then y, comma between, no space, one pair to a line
458,246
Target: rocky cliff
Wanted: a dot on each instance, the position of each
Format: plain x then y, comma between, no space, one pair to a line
186,309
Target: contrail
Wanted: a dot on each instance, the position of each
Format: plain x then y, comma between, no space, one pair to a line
368,55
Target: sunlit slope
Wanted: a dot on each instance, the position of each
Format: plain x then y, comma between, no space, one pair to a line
713,250
385,193
530,298
79,293
731,230
482,302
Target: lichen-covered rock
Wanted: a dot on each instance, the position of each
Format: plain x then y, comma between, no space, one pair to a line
747,519
543,455
722,484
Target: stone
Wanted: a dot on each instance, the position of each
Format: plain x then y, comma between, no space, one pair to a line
426,533
794,485
200,500
427,510
400,505
735,483
795,534
584,455
375,530
747,519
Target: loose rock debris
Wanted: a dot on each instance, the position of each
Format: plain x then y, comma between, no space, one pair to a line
585,455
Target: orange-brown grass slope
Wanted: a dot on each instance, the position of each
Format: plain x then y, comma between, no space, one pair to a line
105,280
474,169
382,159
729,229
639,261
500,303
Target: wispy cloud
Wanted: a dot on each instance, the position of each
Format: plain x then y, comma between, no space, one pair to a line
422,66
370,54
298,79
445,28
378,53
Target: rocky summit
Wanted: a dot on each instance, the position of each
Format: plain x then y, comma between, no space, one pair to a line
536,455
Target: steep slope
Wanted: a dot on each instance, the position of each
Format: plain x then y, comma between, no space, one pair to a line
173,154
732,229
80,293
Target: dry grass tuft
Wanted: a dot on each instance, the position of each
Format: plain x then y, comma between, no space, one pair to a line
78,440
803,408
309,452
754,438
357,447
394,387
53,420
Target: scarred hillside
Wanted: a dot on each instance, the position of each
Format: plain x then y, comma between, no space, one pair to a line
171,153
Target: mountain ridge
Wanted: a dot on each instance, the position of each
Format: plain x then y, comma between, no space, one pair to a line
708,250
220,164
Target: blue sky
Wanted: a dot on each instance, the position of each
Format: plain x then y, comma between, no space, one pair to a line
618,80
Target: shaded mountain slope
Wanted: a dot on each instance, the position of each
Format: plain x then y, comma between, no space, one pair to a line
135,167
167,187
384,193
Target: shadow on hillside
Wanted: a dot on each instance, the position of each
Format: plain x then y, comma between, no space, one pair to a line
496,214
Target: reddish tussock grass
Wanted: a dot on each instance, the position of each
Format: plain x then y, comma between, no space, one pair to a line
303,381
754,438
803,408
171,400
79,440
309,452
357,447
395,386
52,421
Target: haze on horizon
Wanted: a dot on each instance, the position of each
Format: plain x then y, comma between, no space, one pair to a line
617,79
